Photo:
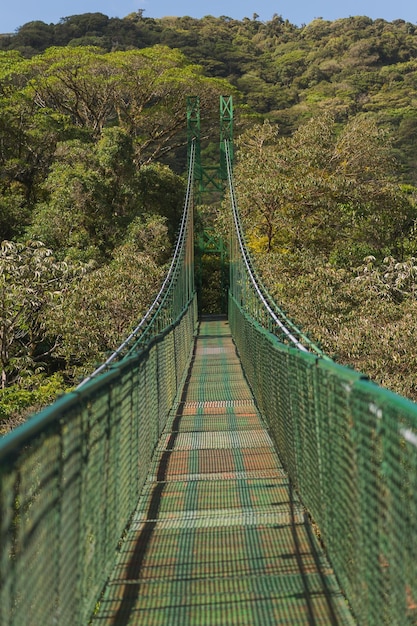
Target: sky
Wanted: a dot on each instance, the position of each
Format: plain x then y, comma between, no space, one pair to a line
14,13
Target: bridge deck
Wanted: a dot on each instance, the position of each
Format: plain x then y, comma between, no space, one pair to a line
219,537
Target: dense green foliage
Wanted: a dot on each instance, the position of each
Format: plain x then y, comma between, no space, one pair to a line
286,72
363,316
92,119
32,285
88,212
17,402
322,190
333,235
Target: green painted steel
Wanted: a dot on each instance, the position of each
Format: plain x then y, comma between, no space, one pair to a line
349,446
70,481
226,133
246,286
211,266
211,178
70,478
194,134
220,536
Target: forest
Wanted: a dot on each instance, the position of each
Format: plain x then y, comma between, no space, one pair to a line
92,165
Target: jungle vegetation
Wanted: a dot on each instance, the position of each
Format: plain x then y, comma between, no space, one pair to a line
92,162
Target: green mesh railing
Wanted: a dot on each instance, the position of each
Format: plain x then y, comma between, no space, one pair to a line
349,446
70,478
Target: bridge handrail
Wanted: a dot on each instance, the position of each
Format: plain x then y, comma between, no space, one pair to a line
71,476
350,450
348,445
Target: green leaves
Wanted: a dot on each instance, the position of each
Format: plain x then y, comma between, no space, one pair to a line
143,91
364,317
321,189
32,284
76,123
72,312
94,192
106,305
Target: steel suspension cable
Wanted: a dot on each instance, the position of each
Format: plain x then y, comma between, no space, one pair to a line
286,327
167,286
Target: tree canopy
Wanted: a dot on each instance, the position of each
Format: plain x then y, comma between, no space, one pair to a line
285,72
330,191
86,199
93,153
83,121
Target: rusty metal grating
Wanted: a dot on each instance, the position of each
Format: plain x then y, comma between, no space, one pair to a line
219,403
219,536
214,350
272,473
215,518
256,494
214,422
218,440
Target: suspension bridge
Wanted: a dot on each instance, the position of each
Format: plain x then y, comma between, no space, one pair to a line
214,471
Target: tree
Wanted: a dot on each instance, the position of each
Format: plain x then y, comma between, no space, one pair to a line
327,191
259,187
75,218
93,192
143,91
103,308
76,82
32,285
96,98
161,192
34,36
364,316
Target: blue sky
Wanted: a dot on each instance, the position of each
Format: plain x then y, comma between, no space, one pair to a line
14,13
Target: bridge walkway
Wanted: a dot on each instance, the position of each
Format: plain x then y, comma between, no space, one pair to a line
219,536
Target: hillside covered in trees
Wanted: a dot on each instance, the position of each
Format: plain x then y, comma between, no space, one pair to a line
92,158
286,72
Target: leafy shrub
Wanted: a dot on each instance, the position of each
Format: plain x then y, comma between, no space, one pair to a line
30,395
363,317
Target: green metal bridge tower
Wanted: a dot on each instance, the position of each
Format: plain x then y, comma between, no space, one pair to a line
211,257
210,178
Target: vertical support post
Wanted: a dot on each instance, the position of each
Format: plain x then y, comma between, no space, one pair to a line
226,132
194,134
210,180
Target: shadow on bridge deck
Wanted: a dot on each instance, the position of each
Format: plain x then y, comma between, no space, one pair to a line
219,537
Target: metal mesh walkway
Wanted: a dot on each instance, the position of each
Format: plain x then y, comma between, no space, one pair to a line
219,537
